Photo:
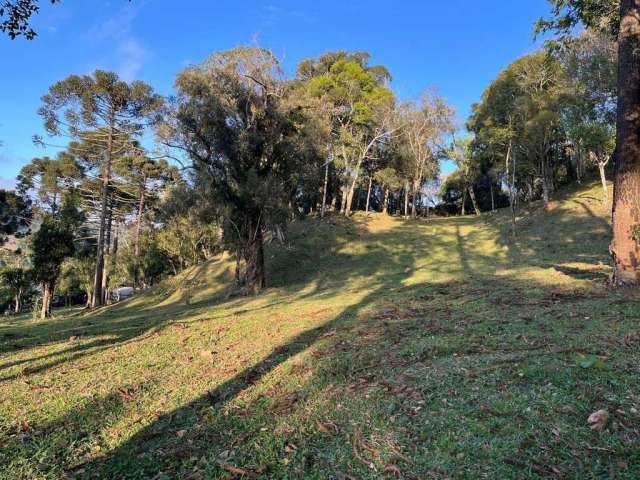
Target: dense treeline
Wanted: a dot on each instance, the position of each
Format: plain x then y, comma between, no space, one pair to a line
240,151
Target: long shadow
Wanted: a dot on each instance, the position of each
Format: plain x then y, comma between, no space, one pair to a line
403,314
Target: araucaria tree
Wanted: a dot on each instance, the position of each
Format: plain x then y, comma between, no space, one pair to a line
229,118
106,112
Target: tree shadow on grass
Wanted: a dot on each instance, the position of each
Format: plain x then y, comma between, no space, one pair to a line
372,355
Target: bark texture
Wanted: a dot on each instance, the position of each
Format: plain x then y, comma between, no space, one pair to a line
626,196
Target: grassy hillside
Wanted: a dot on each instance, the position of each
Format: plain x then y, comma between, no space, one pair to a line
381,349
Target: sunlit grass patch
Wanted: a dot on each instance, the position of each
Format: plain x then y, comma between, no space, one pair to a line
382,348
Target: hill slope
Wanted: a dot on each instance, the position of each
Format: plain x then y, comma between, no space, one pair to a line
381,349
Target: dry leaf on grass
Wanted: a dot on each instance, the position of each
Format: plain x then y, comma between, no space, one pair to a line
598,420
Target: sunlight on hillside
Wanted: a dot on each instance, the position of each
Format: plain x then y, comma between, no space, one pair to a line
193,360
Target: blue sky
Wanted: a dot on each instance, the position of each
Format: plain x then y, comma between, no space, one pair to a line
459,46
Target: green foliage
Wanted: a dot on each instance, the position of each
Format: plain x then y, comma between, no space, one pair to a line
16,282
15,213
471,345
50,245
600,15
50,178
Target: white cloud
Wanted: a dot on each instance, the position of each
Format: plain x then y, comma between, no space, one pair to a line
133,55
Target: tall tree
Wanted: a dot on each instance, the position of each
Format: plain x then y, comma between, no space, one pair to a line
113,111
229,119
362,110
146,176
423,124
621,18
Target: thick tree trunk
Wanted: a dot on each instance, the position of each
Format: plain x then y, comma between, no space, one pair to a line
45,311
472,194
106,178
350,192
254,258
626,195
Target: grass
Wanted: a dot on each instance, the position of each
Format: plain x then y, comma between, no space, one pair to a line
381,349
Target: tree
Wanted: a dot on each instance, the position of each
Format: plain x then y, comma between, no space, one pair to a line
423,124
229,118
15,17
389,181
190,227
18,281
113,111
362,111
15,213
146,176
461,154
621,18
598,140
77,273
50,245
50,178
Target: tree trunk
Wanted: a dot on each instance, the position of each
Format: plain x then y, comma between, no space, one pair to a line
136,244
369,194
512,185
626,195
254,258
343,199
18,299
603,179
463,210
493,201
114,252
350,192
107,260
45,311
546,193
414,206
406,200
238,276
106,177
472,194
324,189
385,204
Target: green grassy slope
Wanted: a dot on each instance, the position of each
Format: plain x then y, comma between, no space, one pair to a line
381,349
